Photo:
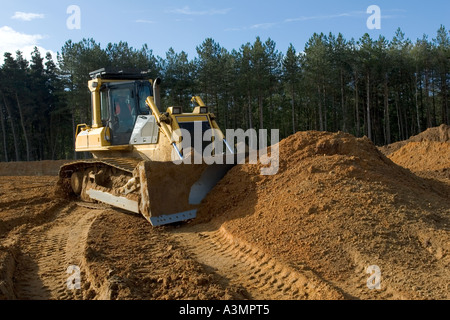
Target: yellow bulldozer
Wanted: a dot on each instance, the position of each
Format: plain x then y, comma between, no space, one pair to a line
138,160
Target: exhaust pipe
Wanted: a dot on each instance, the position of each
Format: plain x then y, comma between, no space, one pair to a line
157,93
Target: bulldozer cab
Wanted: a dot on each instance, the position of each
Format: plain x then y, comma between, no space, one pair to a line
121,104
127,116
118,98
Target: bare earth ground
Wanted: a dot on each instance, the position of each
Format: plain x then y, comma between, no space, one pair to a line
336,206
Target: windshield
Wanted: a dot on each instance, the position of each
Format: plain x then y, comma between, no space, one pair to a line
144,91
126,103
124,110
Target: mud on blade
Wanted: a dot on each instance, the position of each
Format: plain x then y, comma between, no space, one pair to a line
171,193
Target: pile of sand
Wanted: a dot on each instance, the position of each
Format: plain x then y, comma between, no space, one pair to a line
437,134
427,159
337,206
427,154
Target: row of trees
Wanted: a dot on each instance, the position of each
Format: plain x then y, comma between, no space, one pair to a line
385,89
31,108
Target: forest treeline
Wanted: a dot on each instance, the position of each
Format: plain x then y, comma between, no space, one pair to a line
387,90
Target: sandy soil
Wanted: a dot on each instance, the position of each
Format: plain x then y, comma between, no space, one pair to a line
437,134
42,236
337,206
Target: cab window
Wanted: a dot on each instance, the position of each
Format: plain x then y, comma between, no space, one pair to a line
104,106
123,108
144,92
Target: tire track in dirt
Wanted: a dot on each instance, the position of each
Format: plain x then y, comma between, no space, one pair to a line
239,264
47,250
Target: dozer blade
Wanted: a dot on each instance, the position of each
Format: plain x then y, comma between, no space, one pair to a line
162,192
170,193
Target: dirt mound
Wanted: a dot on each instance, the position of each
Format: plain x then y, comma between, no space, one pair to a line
427,154
427,159
437,134
336,207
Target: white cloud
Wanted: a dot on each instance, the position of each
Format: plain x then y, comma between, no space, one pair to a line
263,25
11,41
352,14
326,17
234,29
26,16
302,18
145,21
210,12
343,15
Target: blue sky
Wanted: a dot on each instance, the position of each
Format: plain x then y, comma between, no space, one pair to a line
184,24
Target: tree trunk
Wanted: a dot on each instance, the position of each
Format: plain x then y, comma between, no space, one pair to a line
261,112
2,122
293,109
387,122
344,109
269,119
325,109
405,118
320,109
434,120
74,129
16,145
22,123
427,100
250,121
336,124
444,111
358,122
399,118
369,121
417,106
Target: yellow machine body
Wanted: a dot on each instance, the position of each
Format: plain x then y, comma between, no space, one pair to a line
135,148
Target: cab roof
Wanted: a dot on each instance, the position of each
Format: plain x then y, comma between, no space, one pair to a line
120,74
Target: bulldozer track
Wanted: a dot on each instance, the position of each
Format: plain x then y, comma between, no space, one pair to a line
46,252
238,264
124,164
